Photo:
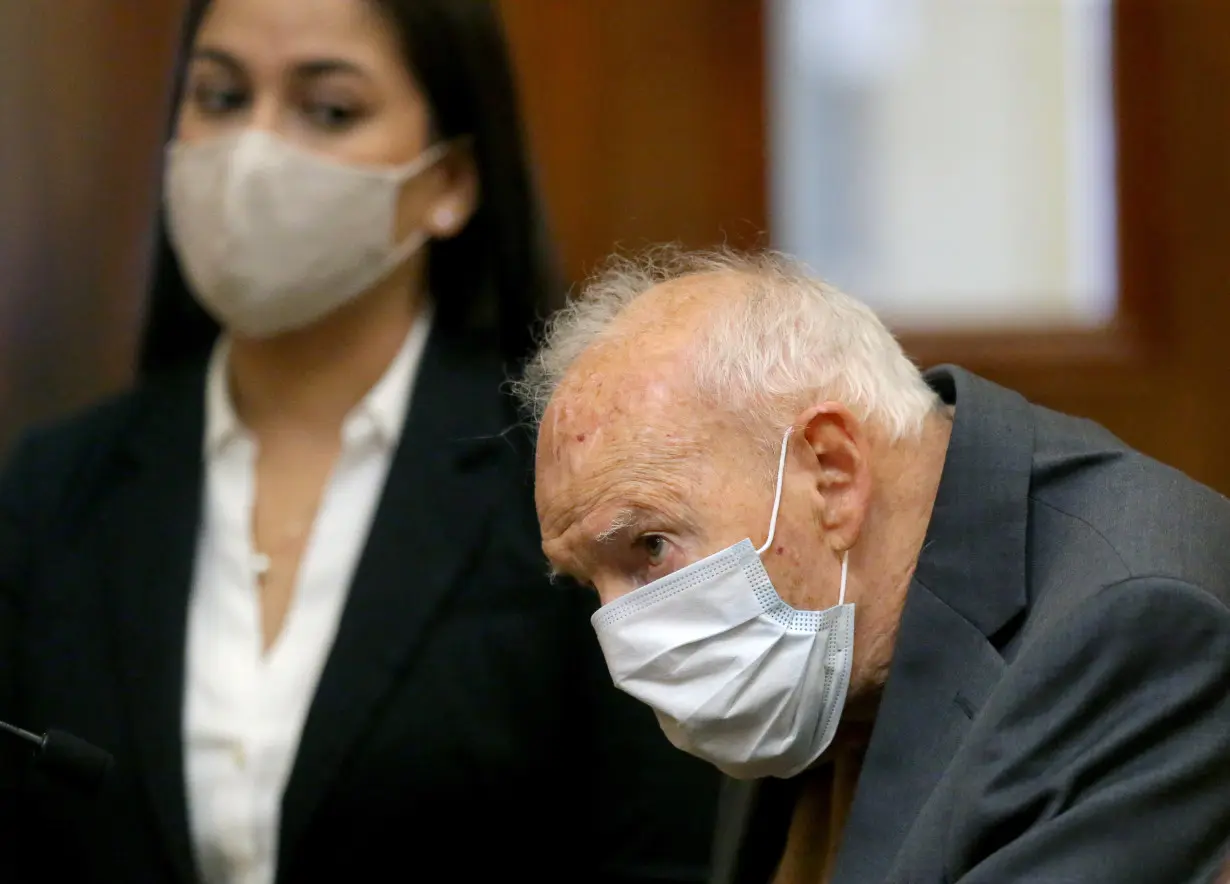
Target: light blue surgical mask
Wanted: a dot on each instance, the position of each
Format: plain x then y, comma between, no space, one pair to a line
735,675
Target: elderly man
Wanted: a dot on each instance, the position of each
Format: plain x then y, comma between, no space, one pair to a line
932,632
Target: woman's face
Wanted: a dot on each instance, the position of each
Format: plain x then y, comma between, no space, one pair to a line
328,76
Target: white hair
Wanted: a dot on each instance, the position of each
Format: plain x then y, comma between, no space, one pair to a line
792,340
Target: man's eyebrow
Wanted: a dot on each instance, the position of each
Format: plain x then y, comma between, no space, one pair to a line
624,519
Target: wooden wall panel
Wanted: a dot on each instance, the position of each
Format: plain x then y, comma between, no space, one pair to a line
84,102
1159,377
647,120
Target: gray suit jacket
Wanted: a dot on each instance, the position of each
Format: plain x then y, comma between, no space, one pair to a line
1058,706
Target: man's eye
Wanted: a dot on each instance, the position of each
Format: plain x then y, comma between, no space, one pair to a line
655,546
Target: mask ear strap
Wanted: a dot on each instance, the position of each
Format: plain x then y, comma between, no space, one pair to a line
777,496
417,166
422,162
845,561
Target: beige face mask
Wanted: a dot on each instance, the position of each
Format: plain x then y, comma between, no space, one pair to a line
271,237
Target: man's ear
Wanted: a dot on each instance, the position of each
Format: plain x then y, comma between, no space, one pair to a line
836,440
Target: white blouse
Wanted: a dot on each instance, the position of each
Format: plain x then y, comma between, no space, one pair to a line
244,709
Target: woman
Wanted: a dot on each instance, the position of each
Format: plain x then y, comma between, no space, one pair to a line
292,581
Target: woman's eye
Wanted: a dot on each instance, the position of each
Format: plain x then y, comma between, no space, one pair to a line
212,101
331,116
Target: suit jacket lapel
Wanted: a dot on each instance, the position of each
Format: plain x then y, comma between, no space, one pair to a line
147,541
943,670
969,583
430,518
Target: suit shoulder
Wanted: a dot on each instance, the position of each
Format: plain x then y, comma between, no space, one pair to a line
1161,608
81,429
58,447
1091,491
68,453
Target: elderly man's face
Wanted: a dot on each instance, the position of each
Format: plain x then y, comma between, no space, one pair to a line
635,480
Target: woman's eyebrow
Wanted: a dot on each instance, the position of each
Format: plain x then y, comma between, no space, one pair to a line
319,67
218,57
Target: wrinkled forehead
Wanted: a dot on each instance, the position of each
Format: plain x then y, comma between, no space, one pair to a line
600,415
615,386
604,428
629,400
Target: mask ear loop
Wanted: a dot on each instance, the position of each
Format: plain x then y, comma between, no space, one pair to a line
777,500
777,496
420,164
416,239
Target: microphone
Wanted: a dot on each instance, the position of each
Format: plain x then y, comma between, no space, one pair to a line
70,758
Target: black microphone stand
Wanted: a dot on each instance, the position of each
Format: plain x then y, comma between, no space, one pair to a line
70,758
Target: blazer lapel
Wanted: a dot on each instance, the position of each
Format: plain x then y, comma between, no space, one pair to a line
147,541
943,670
430,518
968,585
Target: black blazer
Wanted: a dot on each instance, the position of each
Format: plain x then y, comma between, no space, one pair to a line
464,726
1057,710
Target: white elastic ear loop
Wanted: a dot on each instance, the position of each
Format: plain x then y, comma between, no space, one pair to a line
777,496
421,163
416,239
845,561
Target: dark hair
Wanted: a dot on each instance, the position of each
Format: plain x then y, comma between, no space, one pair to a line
496,279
